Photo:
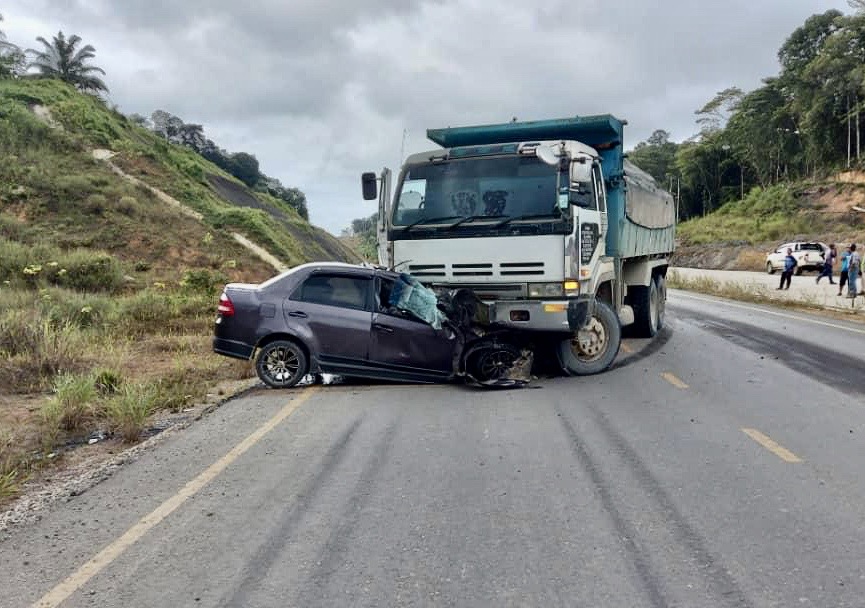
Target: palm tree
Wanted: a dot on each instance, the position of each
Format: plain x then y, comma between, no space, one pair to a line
11,58
61,60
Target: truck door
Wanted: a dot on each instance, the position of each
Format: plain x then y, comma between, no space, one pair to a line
592,226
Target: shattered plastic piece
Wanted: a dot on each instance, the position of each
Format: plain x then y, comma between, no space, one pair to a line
410,295
96,437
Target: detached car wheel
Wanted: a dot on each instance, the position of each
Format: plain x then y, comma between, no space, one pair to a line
281,364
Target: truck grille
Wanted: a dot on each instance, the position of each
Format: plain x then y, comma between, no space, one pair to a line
479,269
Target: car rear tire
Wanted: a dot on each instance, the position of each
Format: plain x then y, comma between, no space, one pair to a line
593,348
281,364
769,268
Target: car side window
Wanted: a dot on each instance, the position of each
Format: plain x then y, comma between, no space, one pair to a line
335,290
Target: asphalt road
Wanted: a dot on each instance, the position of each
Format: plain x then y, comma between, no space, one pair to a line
719,465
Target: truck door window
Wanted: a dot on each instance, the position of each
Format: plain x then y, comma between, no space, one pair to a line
599,188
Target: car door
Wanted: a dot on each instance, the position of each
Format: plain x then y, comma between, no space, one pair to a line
404,347
331,312
779,255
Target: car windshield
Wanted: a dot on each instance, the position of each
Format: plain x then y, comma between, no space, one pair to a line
477,188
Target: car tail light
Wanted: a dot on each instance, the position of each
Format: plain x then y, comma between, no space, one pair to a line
226,307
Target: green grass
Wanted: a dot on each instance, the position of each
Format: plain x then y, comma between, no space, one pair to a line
107,293
770,214
129,410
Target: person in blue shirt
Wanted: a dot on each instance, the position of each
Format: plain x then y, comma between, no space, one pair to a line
790,264
845,266
828,263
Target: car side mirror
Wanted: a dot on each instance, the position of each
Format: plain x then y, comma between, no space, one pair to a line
369,183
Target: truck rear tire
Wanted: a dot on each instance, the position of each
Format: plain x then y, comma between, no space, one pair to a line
594,348
647,303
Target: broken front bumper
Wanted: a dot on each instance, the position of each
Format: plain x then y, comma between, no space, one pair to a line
566,315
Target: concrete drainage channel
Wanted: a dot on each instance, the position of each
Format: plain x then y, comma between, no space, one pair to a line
261,252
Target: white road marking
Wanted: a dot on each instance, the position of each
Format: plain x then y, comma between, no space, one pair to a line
770,312
102,559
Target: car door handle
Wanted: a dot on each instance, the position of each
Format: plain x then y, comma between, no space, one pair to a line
383,328
297,314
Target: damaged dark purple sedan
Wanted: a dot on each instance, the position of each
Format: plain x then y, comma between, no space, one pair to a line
366,322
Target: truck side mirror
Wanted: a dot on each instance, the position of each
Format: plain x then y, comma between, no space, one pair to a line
580,195
370,186
581,172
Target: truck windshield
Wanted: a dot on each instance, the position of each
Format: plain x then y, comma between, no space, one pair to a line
478,188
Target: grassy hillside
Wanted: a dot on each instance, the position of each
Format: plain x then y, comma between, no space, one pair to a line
738,235
107,293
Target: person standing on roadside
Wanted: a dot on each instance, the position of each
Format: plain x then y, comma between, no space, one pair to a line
828,263
790,264
845,265
853,271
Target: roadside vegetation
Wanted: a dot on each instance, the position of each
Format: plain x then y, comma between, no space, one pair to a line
756,294
107,292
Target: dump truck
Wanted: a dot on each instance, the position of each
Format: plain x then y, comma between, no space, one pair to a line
545,221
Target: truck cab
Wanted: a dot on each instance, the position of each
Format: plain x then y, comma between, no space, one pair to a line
524,223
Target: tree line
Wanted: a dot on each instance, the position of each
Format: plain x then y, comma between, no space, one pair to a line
803,123
64,58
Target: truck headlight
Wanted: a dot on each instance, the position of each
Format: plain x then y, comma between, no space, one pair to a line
546,290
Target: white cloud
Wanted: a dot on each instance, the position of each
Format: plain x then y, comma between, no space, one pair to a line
320,90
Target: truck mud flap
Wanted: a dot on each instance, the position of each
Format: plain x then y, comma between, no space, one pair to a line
579,312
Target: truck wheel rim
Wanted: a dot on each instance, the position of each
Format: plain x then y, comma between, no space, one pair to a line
281,364
590,342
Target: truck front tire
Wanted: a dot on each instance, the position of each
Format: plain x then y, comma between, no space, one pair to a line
594,347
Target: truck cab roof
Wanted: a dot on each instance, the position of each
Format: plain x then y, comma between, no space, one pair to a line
576,149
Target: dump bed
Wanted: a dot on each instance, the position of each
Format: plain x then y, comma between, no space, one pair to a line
641,215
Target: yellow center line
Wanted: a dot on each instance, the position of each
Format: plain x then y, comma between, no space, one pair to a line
774,447
674,380
102,559
626,349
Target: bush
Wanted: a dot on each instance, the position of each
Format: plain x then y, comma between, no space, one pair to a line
34,351
39,265
127,205
91,271
107,381
146,311
203,281
74,397
129,409
61,306
95,204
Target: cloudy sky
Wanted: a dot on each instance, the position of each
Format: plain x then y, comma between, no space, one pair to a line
321,90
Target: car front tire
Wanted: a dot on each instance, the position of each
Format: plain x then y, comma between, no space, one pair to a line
281,364
769,268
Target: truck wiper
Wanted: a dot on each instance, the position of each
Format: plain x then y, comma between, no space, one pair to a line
471,218
429,220
533,216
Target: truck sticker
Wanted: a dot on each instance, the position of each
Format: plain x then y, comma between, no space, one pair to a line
588,242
